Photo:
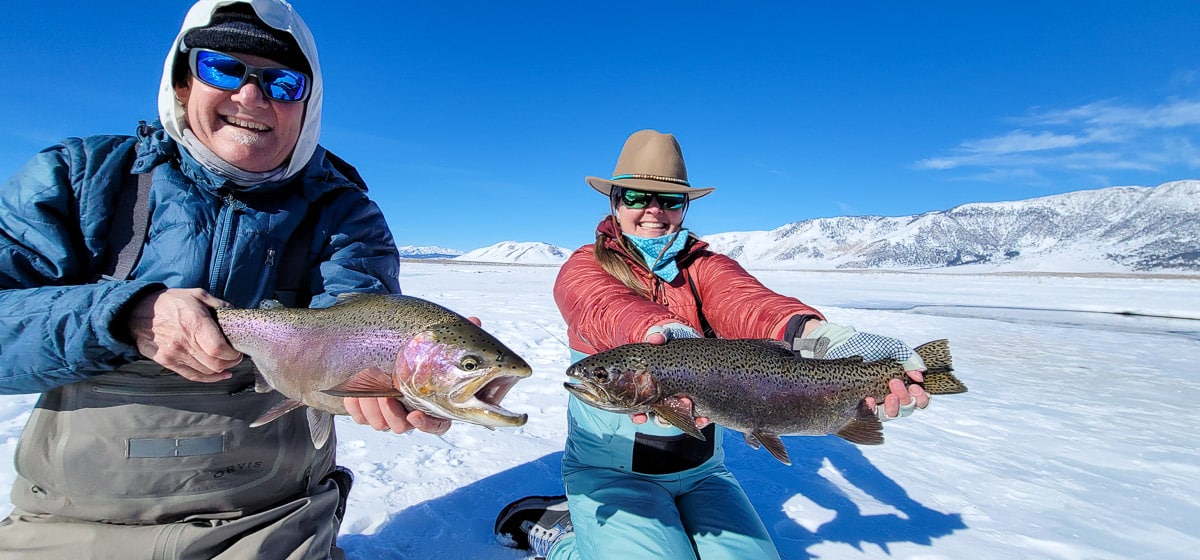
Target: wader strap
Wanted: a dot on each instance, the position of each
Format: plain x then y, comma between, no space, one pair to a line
130,224
707,329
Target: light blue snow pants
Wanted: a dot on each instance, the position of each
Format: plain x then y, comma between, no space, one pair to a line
618,515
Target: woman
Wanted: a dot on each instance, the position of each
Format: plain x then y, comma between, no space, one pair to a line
643,489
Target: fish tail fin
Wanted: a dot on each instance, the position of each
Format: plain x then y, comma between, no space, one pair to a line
939,376
864,429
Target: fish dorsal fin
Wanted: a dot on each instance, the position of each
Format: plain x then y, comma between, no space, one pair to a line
370,382
864,429
777,346
271,304
672,410
772,442
320,426
347,297
276,411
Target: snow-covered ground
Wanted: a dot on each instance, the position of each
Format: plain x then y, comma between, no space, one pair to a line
1078,438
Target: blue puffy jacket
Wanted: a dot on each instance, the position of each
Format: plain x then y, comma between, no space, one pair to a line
57,324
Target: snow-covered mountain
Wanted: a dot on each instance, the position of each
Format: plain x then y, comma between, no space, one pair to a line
519,253
1115,229
428,252
1104,230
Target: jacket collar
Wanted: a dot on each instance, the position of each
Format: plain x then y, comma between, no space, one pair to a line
611,231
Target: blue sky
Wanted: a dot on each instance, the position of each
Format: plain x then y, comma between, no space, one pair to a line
476,122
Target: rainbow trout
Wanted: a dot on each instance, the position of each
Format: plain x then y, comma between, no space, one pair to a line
757,387
373,345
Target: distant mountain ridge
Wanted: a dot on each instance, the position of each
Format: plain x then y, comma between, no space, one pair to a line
1110,229
531,252
1114,229
428,252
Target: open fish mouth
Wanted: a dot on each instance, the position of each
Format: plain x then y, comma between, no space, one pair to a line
595,395
479,399
588,392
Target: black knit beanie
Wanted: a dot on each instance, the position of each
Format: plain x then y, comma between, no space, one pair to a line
237,29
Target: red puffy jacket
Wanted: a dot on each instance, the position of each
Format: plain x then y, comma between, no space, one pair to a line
602,313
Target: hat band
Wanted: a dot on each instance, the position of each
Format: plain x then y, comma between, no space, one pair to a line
652,178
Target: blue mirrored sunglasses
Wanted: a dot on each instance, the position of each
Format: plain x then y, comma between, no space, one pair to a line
226,72
637,200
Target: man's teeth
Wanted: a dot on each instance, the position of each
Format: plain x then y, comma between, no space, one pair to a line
248,124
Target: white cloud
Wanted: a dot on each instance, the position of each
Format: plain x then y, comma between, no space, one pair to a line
1172,114
1101,136
1022,141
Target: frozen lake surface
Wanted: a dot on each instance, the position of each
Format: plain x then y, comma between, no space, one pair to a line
1078,438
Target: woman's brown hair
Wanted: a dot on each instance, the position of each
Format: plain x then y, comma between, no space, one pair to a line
618,267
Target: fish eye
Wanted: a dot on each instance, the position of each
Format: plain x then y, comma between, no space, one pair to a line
469,363
600,375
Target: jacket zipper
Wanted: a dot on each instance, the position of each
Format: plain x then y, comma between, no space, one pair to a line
152,387
220,269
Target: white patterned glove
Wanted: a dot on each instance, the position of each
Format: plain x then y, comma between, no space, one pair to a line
673,331
830,341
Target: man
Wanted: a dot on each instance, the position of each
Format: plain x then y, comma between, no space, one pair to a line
140,444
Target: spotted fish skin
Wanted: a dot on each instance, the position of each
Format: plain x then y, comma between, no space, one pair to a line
375,345
757,387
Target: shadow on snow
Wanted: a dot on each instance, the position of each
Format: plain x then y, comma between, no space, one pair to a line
458,525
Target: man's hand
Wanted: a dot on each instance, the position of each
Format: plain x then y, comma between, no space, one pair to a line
389,414
176,329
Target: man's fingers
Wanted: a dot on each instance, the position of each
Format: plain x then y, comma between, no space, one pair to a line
210,341
354,409
428,424
369,412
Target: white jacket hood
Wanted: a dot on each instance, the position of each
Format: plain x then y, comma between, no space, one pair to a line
275,13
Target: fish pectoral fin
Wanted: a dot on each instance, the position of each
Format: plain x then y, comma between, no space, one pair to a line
276,411
678,418
320,426
370,382
864,429
771,442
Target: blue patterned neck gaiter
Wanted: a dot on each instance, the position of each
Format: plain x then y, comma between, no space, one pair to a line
658,254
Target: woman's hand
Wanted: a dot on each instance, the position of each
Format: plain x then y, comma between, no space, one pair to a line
902,400
829,341
660,335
